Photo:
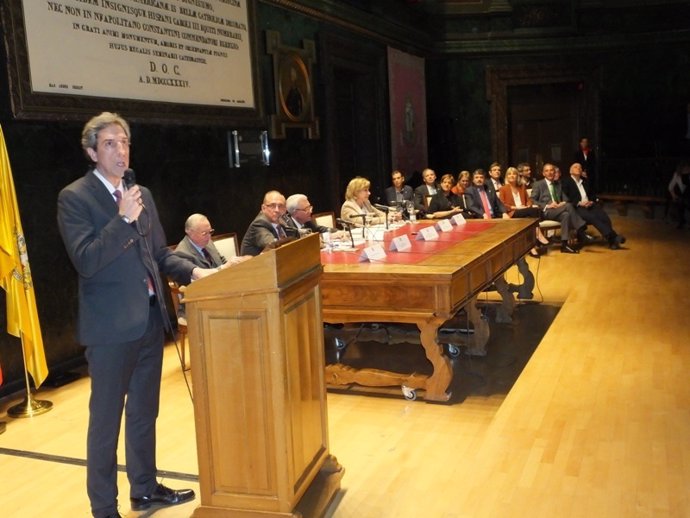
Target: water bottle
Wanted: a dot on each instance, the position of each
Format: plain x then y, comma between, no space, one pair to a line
328,244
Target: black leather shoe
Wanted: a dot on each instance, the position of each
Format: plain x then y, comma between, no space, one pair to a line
621,239
567,249
584,238
162,496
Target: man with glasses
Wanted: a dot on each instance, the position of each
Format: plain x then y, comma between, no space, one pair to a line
197,246
267,227
299,216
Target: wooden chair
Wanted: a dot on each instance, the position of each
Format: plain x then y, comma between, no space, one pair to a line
228,247
549,227
176,295
326,219
227,244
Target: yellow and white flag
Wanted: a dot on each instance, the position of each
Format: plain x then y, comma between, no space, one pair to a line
15,275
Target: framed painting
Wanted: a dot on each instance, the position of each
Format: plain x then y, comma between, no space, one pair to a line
294,97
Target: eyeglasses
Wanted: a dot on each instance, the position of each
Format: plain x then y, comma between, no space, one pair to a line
206,232
275,206
308,208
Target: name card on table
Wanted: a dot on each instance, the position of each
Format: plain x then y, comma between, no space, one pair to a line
373,253
427,234
458,219
401,243
444,225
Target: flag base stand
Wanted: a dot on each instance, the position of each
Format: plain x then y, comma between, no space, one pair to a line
30,407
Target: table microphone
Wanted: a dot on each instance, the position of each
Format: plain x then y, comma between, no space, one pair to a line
363,216
348,226
385,209
344,222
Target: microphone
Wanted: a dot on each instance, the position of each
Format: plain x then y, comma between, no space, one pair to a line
347,225
363,216
385,209
130,180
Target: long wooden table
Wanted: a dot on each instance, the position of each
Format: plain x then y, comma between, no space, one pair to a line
426,286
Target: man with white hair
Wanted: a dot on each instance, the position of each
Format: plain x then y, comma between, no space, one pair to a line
197,246
579,193
299,215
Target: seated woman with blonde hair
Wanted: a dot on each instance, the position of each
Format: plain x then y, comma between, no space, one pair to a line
514,196
357,204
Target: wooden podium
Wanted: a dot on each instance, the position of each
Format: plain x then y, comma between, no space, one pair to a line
257,354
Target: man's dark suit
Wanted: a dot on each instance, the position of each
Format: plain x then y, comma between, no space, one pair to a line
566,214
392,195
187,250
476,206
259,235
420,195
292,227
594,215
121,328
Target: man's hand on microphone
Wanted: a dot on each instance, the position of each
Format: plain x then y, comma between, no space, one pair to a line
131,204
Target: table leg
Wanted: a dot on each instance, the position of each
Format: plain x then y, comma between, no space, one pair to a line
505,310
524,290
476,343
439,381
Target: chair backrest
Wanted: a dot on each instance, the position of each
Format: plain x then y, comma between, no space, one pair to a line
226,244
325,219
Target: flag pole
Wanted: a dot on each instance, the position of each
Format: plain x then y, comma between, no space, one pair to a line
30,406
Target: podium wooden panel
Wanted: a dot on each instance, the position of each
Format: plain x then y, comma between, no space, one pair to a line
256,344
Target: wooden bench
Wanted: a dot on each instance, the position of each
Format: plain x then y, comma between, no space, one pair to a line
621,201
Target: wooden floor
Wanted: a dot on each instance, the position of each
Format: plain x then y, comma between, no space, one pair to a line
596,425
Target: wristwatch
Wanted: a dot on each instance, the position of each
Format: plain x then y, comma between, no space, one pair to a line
125,219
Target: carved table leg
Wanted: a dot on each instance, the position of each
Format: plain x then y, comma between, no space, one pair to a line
477,341
437,384
505,310
524,290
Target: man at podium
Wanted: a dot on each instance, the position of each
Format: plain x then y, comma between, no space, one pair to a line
114,238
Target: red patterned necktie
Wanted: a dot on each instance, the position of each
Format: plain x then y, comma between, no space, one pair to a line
485,202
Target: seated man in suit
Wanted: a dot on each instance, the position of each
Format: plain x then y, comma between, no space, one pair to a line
196,245
483,201
427,189
398,193
548,195
299,216
495,180
577,190
267,227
